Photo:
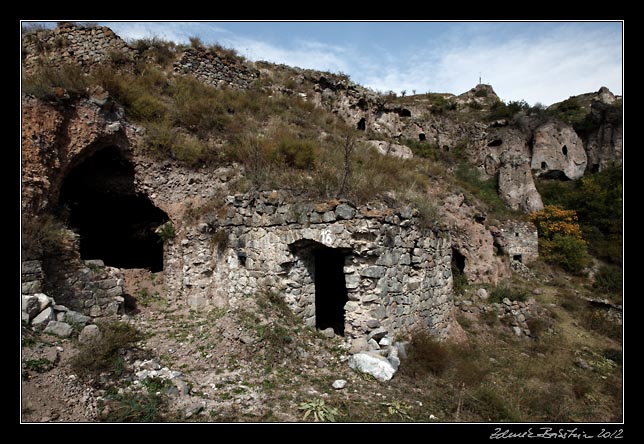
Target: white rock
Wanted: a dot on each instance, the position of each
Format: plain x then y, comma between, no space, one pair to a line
43,318
44,300
339,384
385,341
374,364
60,329
89,334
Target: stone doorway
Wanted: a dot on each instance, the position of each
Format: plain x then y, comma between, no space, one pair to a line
319,284
330,289
116,223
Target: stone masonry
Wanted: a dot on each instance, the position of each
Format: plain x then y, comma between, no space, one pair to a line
521,241
70,44
215,70
397,274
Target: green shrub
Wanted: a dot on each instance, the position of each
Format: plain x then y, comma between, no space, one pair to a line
297,153
609,280
53,83
568,252
426,356
501,292
134,407
102,355
166,231
41,236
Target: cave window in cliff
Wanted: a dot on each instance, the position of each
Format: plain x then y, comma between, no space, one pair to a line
422,137
544,165
362,124
495,142
517,257
116,223
564,150
404,112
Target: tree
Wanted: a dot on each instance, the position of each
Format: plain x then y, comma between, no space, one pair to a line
403,92
560,238
348,145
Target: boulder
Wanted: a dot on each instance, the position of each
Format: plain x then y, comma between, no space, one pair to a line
373,364
31,306
358,345
44,317
60,329
558,151
89,334
391,149
328,332
44,301
344,211
76,318
339,384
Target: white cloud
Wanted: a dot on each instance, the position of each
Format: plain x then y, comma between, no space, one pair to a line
303,53
544,69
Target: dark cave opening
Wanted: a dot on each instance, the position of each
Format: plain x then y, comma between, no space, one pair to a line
115,222
564,150
458,261
422,137
330,289
495,142
362,124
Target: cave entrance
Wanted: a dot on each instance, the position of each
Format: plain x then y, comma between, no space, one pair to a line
330,289
422,137
517,257
115,222
362,124
458,261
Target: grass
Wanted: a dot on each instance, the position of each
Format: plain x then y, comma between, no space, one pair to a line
38,365
501,292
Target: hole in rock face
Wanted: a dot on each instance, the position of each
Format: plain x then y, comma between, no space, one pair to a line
422,137
516,257
115,222
564,150
458,261
362,124
495,142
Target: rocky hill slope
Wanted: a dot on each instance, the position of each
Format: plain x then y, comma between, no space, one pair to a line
206,238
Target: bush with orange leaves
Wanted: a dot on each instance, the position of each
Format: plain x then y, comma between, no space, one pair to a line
560,238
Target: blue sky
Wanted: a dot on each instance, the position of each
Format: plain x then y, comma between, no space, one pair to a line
536,61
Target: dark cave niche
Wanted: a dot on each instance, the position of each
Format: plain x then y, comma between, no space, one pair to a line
458,261
362,124
115,222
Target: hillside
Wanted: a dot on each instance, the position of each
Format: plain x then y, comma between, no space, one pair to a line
206,238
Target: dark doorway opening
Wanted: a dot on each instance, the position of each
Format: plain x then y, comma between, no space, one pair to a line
330,289
458,261
564,150
404,112
516,257
362,124
422,137
116,223
544,165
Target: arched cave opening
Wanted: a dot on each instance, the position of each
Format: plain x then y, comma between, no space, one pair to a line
422,137
495,142
115,222
564,150
362,124
404,112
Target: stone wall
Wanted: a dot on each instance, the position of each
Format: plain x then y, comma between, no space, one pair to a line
76,45
521,241
397,275
215,70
